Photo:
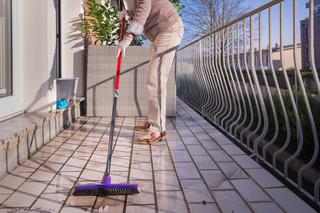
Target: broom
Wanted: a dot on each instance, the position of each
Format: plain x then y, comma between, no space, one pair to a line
106,187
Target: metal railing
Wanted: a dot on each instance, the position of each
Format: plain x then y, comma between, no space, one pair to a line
274,113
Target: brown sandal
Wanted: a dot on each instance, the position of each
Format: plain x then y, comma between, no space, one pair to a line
143,128
151,140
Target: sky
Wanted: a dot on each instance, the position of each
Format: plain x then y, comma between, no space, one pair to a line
302,13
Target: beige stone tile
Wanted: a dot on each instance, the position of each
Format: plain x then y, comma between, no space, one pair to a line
264,178
265,207
3,197
76,201
187,170
49,202
204,162
204,208
162,163
209,144
146,195
196,191
141,209
216,180
171,201
92,175
180,156
56,188
196,150
160,149
166,180
232,170
42,176
75,209
288,200
57,158
120,163
65,178
219,155
109,204
176,145
76,162
10,182
230,201
25,195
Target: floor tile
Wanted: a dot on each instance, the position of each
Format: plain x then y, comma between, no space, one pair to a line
171,201
42,176
110,204
196,150
49,202
187,170
204,162
230,201
246,162
209,144
265,207
231,170
25,195
166,180
141,209
176,145
146,195
219,155
232,149
264,178
160,149
250,191
288,200
78,201
3,197
190,140
10,182
180,156
204,208
196,191
162,163
216,180
75,209
202,136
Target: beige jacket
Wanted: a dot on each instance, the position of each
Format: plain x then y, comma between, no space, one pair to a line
150,17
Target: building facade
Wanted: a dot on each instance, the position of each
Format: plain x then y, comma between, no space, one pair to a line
305,43
40,41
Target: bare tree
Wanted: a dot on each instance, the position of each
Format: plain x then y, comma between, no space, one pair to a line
203,16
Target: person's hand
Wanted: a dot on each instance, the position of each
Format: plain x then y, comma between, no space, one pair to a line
122,14
124,44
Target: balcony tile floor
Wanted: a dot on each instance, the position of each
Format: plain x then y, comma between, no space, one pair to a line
197,169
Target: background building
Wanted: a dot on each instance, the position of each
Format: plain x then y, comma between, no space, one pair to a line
304,31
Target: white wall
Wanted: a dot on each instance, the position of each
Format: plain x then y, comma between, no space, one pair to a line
34,42
72,48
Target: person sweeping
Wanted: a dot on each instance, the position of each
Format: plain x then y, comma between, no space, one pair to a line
158,21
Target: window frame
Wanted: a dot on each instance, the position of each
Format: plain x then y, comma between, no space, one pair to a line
9,52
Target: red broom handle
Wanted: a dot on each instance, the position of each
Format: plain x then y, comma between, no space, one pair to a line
120,56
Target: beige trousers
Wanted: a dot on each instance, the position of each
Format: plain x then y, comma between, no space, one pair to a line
163,50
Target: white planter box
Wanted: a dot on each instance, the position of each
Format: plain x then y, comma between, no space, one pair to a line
133,93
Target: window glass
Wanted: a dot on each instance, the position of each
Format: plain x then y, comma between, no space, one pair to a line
5,49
